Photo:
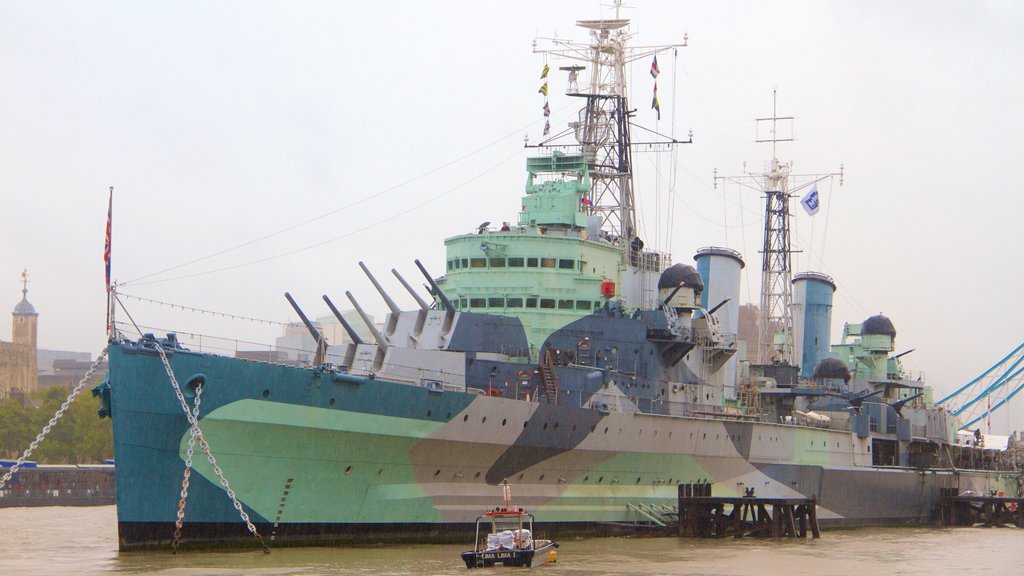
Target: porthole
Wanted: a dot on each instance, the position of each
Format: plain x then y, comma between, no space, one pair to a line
705,436
437,473
465,418
521,476
348,470
541,479
484,419
573,427
526,423
637,479
585,478
545,425
504,421
331,402
266,393
605,429
477,475
601,479
556,425
380,471
430,413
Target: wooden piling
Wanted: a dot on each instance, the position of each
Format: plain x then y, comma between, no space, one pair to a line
705,516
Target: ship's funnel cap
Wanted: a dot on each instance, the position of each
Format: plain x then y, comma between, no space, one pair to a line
878,324
681,274
830,368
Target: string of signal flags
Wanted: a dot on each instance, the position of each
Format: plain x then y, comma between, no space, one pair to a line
655,105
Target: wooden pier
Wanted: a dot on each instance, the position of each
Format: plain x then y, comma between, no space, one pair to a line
975,510
704,516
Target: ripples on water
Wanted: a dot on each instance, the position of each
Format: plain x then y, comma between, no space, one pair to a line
68,541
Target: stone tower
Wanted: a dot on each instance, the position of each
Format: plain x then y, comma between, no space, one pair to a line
23,334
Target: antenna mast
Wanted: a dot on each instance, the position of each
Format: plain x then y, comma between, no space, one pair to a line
603,128
775,331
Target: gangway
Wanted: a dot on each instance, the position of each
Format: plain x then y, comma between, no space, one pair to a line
993,389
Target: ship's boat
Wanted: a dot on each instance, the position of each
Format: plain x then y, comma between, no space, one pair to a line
556,353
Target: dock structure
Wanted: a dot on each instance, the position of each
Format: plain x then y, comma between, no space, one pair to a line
978,510
705,516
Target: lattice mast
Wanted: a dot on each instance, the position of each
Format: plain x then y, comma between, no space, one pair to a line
776,255
603,128
775,331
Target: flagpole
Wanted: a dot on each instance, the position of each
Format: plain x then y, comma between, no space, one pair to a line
106,264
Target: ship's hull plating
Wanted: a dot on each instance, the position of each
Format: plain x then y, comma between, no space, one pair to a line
316,457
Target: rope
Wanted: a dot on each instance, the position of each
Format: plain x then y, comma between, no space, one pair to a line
53,421
206,447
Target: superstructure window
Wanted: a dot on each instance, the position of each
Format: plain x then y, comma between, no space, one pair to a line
495,302
497,262
565,304
531,262
514,303
451,265
531,302
566,264
477,302
478,263
515,262
583,305
547,302
465,262
547,262
462,302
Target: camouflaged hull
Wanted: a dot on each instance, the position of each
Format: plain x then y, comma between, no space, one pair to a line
317,457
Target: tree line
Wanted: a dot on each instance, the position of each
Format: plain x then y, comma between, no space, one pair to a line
79,437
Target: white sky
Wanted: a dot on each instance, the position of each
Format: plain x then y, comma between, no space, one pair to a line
220,123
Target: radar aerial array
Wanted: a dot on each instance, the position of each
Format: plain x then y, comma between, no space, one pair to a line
993,389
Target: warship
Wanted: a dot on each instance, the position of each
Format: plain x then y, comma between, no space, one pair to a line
556,353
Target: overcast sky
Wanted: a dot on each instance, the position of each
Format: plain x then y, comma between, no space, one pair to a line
241,132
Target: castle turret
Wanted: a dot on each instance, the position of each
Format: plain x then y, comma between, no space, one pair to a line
22,372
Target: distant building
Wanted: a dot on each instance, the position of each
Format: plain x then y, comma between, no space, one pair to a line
64,368
296,345
747,334
18,376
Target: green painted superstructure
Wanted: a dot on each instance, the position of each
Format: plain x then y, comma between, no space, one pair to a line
548,269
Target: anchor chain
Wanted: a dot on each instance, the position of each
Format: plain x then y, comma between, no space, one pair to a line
53,421
206,447
193,432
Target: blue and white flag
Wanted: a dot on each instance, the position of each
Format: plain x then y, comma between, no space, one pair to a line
811,202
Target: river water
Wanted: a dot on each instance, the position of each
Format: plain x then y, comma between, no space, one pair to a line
67,541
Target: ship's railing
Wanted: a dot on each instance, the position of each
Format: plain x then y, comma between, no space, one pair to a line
651,260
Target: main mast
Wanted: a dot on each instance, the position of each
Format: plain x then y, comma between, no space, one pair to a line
602,130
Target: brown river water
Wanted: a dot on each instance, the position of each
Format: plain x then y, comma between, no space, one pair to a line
67,541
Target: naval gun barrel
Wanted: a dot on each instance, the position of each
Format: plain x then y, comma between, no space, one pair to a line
382,342
321,343
387,299
423,304
437,291
344,323
720,304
